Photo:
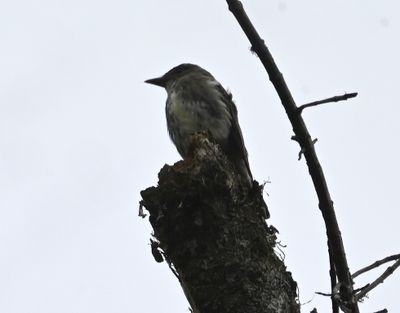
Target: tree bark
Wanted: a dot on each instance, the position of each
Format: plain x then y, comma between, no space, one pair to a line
211,231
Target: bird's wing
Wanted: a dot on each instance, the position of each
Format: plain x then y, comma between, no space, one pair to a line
236,136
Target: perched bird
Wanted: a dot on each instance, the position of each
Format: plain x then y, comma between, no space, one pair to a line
197,102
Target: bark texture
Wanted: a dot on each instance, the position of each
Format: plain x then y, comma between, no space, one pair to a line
211,231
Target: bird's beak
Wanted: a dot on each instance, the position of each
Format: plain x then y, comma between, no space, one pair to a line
159,81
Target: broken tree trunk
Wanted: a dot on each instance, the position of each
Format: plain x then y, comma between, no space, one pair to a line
212,233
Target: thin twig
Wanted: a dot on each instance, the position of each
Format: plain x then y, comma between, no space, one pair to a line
361,288
344,97
302,150
307,302
323,294
382,311
389,271
376,264
306,144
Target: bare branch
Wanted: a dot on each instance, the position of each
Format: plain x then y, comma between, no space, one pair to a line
389,271
332,275
323,294
303,137
344,97
304,149
376,264
359,289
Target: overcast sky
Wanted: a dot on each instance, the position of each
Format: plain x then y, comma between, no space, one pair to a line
81,135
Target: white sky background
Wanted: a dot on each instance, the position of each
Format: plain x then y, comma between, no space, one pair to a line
81,135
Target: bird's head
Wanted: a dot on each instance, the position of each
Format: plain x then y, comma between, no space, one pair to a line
175,74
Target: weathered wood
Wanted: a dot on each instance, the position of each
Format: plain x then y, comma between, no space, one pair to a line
211,231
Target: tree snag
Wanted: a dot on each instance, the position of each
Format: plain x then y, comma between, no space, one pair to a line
211,231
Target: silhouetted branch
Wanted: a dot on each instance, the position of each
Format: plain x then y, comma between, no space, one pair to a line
376,264
389,271
307,146
332,275
332,99
302,150
325,294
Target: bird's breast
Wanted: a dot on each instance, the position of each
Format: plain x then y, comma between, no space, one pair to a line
188,116
192,116
182,112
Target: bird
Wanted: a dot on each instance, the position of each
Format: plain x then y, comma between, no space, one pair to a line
197,102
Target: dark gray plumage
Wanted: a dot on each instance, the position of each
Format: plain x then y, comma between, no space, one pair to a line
197,102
